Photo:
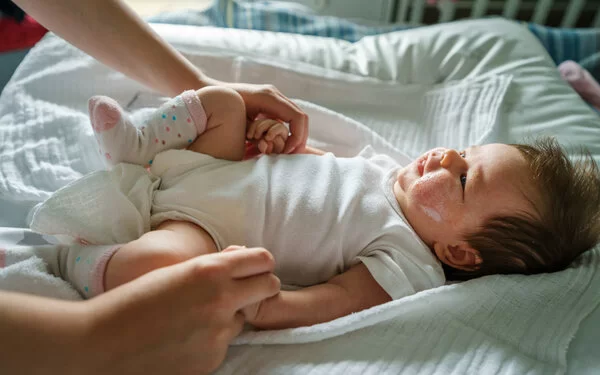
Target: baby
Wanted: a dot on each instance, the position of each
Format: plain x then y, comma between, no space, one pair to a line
350,232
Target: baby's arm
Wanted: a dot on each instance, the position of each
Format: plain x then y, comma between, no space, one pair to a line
351,291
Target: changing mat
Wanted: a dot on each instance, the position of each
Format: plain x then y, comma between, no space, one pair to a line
464,328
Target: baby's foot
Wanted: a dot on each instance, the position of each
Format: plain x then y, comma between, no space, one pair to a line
173,125
582,81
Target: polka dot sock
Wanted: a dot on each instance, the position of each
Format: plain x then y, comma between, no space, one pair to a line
84,267
175,124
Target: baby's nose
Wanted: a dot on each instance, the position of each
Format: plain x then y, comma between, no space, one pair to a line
450,157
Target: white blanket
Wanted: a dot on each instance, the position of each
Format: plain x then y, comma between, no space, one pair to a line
501,324
498,323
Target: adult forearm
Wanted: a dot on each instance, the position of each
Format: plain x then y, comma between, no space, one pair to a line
38,334
114,34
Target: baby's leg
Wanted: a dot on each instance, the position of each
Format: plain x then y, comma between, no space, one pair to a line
175,124
172,242
96,269
225,135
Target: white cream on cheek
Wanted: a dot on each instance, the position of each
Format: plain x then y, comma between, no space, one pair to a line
433,214
433,194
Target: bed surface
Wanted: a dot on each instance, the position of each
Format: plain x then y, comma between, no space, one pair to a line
359,80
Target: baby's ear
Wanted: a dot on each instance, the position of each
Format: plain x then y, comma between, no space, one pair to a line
460,256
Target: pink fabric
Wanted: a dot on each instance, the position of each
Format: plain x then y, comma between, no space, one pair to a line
99,270
582,81
196,109
105,113
2,258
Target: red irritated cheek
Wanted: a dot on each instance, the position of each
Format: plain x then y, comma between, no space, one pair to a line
435,192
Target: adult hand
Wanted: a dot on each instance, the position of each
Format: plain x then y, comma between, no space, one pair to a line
178,319
268,101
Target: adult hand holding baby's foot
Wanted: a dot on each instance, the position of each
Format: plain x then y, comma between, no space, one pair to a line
266,136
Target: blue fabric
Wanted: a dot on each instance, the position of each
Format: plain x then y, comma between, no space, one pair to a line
273,16
580,45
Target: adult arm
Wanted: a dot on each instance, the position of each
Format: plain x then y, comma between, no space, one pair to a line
177,319
37,334
351,291
114,34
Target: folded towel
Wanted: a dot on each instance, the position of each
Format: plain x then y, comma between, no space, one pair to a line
22,269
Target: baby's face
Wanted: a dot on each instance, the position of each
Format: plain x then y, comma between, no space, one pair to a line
446,192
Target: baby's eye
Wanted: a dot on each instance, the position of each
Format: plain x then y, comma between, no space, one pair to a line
463,177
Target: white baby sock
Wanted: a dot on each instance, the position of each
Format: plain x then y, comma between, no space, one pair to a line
175,124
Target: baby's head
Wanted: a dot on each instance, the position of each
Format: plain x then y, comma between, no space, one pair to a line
500,209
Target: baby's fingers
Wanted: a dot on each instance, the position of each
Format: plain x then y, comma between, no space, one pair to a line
277,130
257,129
263,146
278,145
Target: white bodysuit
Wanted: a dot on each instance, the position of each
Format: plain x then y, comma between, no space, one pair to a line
317,215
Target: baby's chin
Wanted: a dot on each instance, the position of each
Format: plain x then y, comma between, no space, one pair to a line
399,188
407,175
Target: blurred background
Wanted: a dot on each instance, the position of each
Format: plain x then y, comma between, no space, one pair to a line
147,8
18,32
550,20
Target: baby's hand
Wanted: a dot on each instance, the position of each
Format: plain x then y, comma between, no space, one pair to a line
268,135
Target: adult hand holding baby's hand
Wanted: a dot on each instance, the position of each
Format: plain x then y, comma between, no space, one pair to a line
268,101
181,318
265,136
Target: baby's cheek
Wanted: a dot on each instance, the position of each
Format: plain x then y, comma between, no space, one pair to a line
432,193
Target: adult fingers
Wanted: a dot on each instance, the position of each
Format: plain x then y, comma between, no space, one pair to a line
256,288
248,262
232,248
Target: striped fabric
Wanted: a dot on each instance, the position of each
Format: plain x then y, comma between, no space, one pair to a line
581,45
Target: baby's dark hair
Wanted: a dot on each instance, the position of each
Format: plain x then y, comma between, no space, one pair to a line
565,223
